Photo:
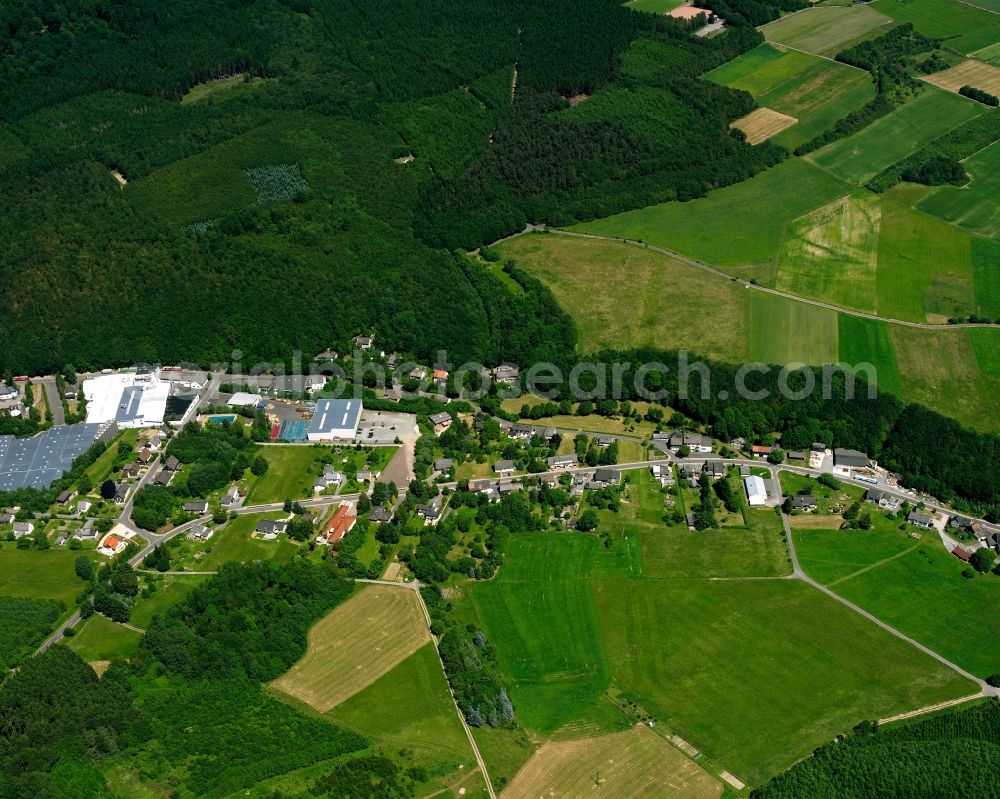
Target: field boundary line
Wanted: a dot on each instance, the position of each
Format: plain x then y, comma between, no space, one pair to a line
920,711
871,566
806,52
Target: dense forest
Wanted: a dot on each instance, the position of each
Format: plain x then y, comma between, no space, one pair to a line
954,755
319,195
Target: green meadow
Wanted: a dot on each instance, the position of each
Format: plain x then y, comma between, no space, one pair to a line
864,154
914,585
973,206
868,341
99,638
783,331
959,25
47,574
291,473
170,590
816,91
826,30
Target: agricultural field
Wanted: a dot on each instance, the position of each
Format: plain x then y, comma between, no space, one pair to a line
968,73
973,206
826,30
632,763
354,645
738,225
657,299
861,156
989,55
867,341
99,639
570,618
959,25
914,585
815,91
783,331
831,253
762,124
986,345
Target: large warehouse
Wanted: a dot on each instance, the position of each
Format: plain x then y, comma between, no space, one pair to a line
39,461
335,420
130,400
756,491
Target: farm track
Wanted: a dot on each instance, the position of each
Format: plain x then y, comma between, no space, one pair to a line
754,286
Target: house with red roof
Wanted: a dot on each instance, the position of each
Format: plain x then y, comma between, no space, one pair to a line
340,524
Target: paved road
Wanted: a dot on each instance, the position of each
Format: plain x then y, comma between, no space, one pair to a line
55,401
756,287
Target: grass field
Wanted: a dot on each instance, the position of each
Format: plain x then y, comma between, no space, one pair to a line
41,575
171,590
408,704
959,25
973,206
633,763
864,154
654,6
916,586
868,341
986,345
924,267
657,299
736,225
831,253
722,661
99,638
990,54
968,73
290,476
815,91
826,30
762,124
782,331
354,645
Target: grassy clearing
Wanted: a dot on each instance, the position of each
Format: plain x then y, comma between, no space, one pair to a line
924,267
290,476
736,225
973,206
831,253
861,156
99,638
100,470
868,341
47,574
171,590
763,123
720,661
941,371
815,91
922,592
408,704
968,73
782,331
354,645
210,88
986,345
654,6
656,299
826,30
960,25
631,763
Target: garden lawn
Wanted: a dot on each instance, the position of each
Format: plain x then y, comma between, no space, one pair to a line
826,30
233,542
99,638
757,674
293,469
973,206
923,594
960,26
736,225
864,154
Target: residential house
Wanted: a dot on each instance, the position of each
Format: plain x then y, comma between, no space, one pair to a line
173,464
6,518
485,486
270,529
845,459
327,355
697,442
431,511
962,554
22,529
84,505
330,477
605,441
61,539
88,532
607,477
200,532
155,442
795,455
199,507
744,470
504,467
562,461
759,451
920,519
65,496
506,373
506,488
441,421
364,476
232,498
803,502
442,464
364,342
132,471
112,545
122,491
340,524
7,393
380,514
715,469
144,456
883,499
440,377
965,524
520,432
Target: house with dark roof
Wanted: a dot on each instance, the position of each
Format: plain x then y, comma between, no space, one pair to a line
562,461
714,469
804,503
431,511
442,464
849,459
380,514
504,467
173,464
607,477
269,529
919,519
199,507
965,524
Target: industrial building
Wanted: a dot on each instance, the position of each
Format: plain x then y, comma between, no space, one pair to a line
756,491
335,420
130,400
39,461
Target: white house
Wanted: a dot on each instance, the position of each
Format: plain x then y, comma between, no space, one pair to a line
756,491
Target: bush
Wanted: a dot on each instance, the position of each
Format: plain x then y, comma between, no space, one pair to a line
980,96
